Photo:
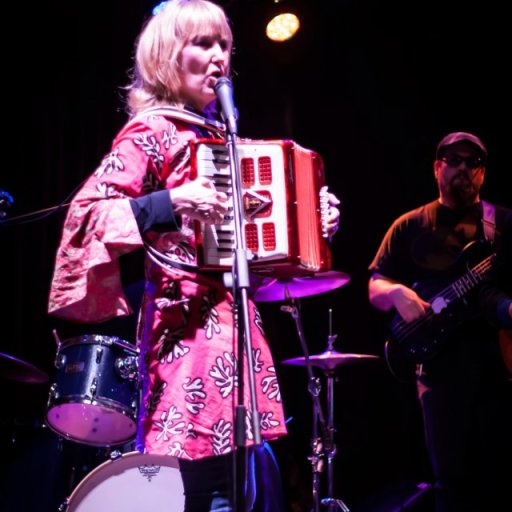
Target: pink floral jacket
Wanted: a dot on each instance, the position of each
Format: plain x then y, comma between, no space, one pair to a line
187,332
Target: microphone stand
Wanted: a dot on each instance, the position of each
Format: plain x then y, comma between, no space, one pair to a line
240,283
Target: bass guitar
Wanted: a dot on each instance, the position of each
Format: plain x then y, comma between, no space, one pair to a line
416,342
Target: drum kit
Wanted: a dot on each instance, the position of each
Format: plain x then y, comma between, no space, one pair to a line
94,397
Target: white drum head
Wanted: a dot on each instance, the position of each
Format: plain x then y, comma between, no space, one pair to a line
132,483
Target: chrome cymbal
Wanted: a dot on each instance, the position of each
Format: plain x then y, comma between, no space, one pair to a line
296,287
330,359
12,368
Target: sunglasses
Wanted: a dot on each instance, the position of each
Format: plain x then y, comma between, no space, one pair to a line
472,162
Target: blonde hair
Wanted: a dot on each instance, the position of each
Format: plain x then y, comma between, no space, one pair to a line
156,78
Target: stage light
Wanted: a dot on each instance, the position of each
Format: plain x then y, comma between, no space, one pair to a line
283,25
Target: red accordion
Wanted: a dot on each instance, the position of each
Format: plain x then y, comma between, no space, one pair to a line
284,207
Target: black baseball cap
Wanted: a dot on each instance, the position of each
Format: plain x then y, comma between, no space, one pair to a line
455,137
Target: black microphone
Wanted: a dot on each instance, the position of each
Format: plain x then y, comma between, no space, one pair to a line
224,91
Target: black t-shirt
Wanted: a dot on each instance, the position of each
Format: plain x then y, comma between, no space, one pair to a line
431,242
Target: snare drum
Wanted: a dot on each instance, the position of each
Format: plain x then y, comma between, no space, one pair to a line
131,483
94,398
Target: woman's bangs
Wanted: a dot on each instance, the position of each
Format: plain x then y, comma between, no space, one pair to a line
207,24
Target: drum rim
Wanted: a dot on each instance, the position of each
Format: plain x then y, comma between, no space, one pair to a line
97,339
82,440
131,412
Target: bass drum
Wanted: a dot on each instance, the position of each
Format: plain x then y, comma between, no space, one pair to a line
131,483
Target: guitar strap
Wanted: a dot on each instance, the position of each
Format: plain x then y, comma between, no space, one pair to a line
489,221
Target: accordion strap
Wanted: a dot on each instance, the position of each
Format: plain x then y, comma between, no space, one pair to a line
166,262
182,115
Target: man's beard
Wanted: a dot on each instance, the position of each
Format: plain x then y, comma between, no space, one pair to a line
463,191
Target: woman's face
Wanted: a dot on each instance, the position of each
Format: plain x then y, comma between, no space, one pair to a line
203,60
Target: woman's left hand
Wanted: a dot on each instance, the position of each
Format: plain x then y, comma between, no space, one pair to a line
333,217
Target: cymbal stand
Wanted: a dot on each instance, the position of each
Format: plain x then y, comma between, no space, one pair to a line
314,387
330,446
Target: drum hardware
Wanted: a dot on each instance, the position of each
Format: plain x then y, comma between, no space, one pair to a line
115,454
60,361
314,388
93,388
54,393
323,447
127,367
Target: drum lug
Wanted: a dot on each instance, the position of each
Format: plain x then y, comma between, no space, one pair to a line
64,505
126,367
54,393
94,387
115,454
60,361
99,354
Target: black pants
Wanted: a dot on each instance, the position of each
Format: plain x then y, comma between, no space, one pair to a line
467,409
210,484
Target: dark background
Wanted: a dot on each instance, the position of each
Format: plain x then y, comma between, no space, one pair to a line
371,85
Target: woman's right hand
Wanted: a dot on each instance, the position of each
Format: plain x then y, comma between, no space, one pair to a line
199,200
